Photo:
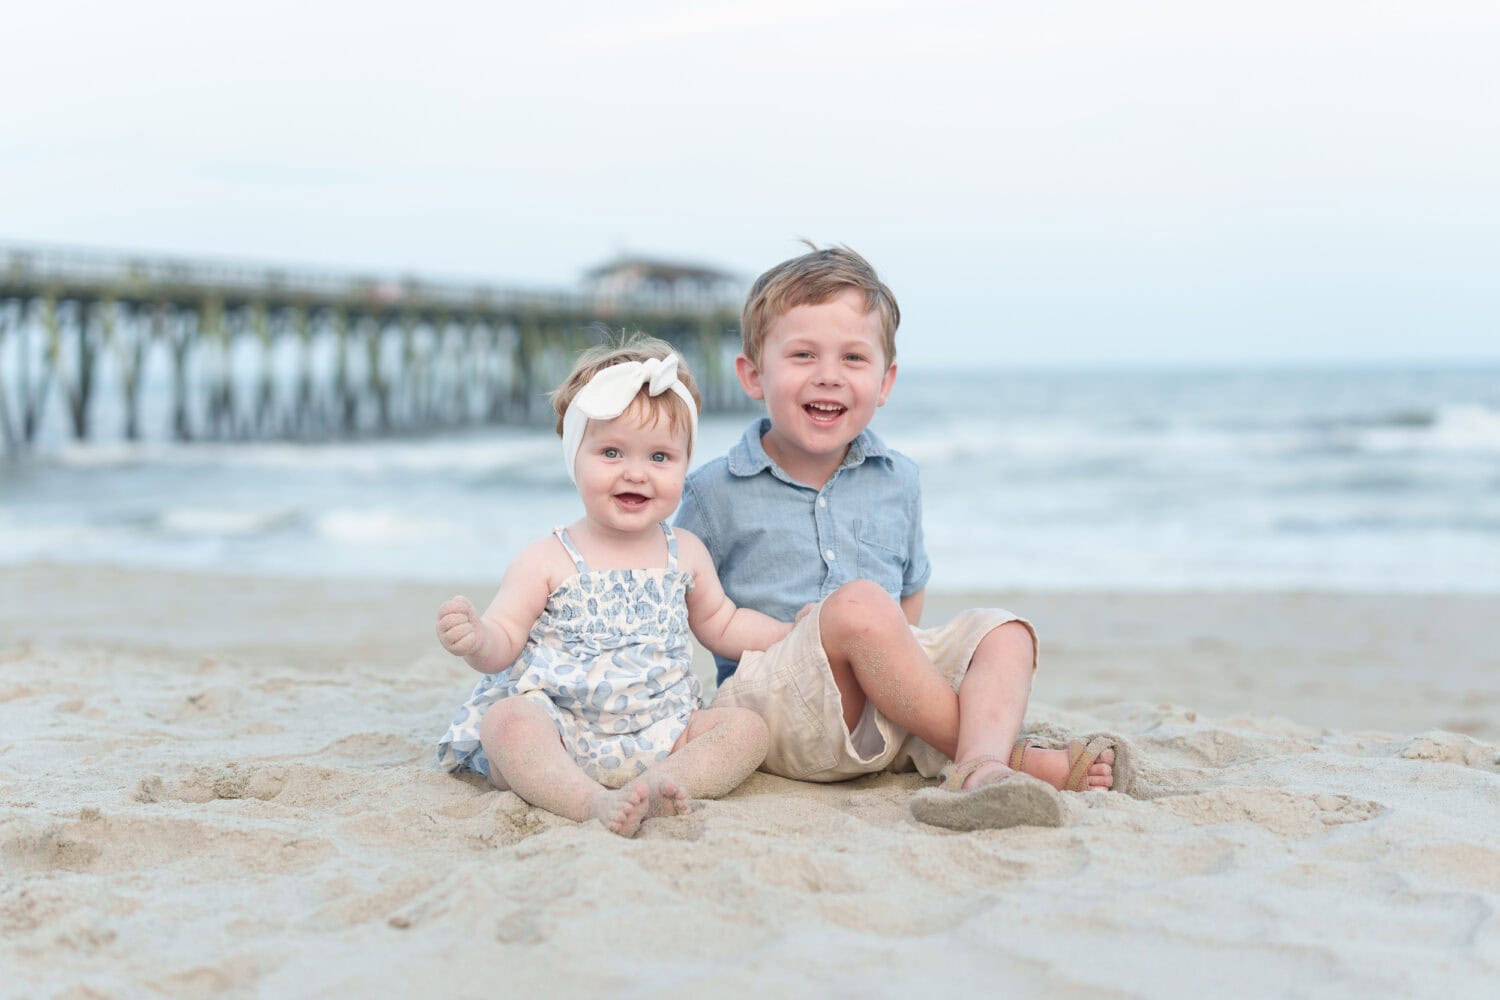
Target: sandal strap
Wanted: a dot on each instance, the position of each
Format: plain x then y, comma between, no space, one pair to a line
1082,758
955,774
1018,753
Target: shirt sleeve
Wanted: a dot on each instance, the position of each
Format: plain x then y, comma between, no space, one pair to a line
691,517
918,568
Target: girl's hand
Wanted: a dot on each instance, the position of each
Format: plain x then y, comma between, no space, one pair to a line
459,628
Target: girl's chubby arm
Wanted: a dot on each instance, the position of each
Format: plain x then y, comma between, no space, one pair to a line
491,642
722,627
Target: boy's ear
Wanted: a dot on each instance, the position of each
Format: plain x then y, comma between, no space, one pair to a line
749,377
886,382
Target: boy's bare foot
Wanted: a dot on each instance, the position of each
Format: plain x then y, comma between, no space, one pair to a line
667,798
1052,767
621,810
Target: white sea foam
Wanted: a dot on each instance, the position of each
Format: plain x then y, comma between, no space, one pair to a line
382,525
385,458
1467,427
224,522
1346,480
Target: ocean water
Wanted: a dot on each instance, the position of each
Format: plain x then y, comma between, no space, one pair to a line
1322,479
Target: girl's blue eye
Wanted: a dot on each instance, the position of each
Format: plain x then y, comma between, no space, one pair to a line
611,453
659,456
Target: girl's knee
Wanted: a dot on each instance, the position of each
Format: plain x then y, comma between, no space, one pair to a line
750,732
750,726
505,717
733,724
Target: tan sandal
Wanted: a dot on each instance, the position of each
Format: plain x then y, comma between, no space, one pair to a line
1082,755
953,775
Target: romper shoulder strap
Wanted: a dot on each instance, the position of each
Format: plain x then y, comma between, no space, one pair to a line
671,547
567,543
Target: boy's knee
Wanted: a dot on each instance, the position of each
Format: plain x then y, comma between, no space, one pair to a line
1011,642
860,607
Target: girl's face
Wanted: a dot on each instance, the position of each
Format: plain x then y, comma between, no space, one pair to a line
630,471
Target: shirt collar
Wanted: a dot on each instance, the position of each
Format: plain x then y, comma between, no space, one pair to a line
748,457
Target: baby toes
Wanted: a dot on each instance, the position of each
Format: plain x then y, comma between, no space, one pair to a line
667,798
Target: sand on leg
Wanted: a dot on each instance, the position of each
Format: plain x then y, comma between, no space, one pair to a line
718,750
528,756
873,655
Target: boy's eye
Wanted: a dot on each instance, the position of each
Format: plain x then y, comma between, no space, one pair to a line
854,357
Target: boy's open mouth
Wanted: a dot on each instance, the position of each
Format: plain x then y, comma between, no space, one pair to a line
823,412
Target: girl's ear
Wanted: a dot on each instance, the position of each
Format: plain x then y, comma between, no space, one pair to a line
749,377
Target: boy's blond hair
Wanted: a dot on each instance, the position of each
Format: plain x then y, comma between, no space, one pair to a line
811,280
632,347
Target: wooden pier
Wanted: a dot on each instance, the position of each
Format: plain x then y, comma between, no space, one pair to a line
98,347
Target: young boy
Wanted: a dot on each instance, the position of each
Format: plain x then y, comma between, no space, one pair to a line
811,514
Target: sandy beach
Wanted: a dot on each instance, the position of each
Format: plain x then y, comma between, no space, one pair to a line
214,786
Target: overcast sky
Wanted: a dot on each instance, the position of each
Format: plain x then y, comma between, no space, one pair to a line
1041,182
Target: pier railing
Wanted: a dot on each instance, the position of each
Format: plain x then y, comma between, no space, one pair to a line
98,346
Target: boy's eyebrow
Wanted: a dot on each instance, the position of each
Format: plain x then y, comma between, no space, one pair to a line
804,340
812,337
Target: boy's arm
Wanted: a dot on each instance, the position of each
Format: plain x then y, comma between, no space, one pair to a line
911,606
691,515
918,568
723,628
491,642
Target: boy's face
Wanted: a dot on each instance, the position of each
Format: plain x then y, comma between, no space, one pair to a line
823,372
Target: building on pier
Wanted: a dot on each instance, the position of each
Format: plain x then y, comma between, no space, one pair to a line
640,281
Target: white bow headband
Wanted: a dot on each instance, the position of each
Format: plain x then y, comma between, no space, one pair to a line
609,392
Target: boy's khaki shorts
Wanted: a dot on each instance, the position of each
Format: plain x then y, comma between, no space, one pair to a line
791,686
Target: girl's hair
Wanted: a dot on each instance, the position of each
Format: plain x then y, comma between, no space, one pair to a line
632,347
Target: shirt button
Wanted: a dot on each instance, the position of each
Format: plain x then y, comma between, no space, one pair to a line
829,554
822,501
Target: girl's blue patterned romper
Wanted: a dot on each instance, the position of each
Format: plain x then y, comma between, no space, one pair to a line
609,660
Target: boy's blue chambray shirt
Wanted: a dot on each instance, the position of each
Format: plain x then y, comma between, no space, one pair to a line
779,544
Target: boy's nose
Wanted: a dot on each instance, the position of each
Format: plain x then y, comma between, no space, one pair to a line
828,373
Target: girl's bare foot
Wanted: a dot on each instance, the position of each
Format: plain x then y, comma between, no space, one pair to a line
667,798
621,810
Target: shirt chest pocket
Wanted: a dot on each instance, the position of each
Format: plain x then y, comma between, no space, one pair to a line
882,554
